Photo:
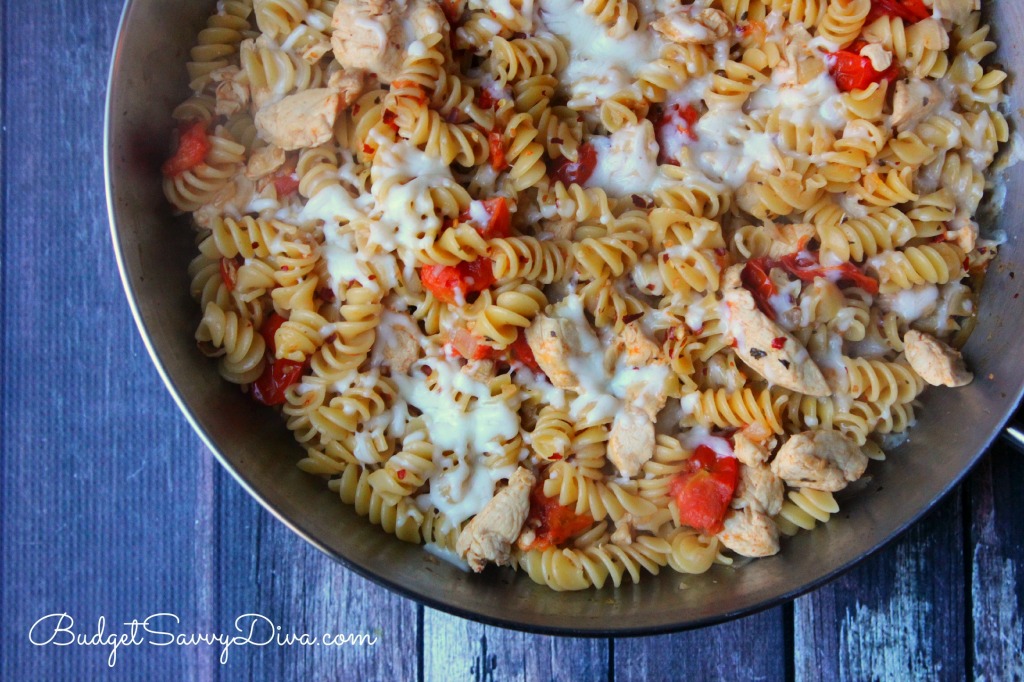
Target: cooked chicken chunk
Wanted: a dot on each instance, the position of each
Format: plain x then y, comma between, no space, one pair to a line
231,199
914,101
703,26
305,119
790,239
490,534
399,348
955,11
232,92
264,161
751,533
748,452
633,349
553,341
820,460
624,530
479,370
759,488
348,85
374,35
636,349
966,237
764,346
936,362
631,441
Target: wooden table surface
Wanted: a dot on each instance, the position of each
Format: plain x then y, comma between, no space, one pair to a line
113,509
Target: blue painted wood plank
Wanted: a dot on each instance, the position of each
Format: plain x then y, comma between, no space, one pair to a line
899,615
752,648
458,649
996,554
267,570
97,478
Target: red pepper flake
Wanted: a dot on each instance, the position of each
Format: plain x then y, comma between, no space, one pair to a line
367,149
556,456
401,474
778,342
389,119
967,263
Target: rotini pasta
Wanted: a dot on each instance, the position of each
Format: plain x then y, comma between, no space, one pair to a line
591,289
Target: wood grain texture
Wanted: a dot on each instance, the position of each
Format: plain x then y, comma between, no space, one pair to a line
458,649
92,444
753,648
996,561
265,568
899,615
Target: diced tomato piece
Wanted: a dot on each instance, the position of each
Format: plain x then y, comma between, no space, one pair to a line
286,185
389,119
804,265
473,347
193,145
452,11
520,350
499,220
484,99
497,145
852,71
477,274
675,121
450,282
690,116
229,271
269,331
910,11
553,523
277,376
755,279
579,171
703,493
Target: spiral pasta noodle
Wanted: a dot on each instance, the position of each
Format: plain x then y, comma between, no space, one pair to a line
522,277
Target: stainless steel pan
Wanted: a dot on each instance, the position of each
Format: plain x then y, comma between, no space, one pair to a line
153,249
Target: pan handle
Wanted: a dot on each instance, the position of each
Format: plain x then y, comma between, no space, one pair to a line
1013,432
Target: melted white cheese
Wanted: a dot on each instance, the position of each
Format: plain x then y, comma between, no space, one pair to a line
627,161
403,176
599,66
913,304
463,434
